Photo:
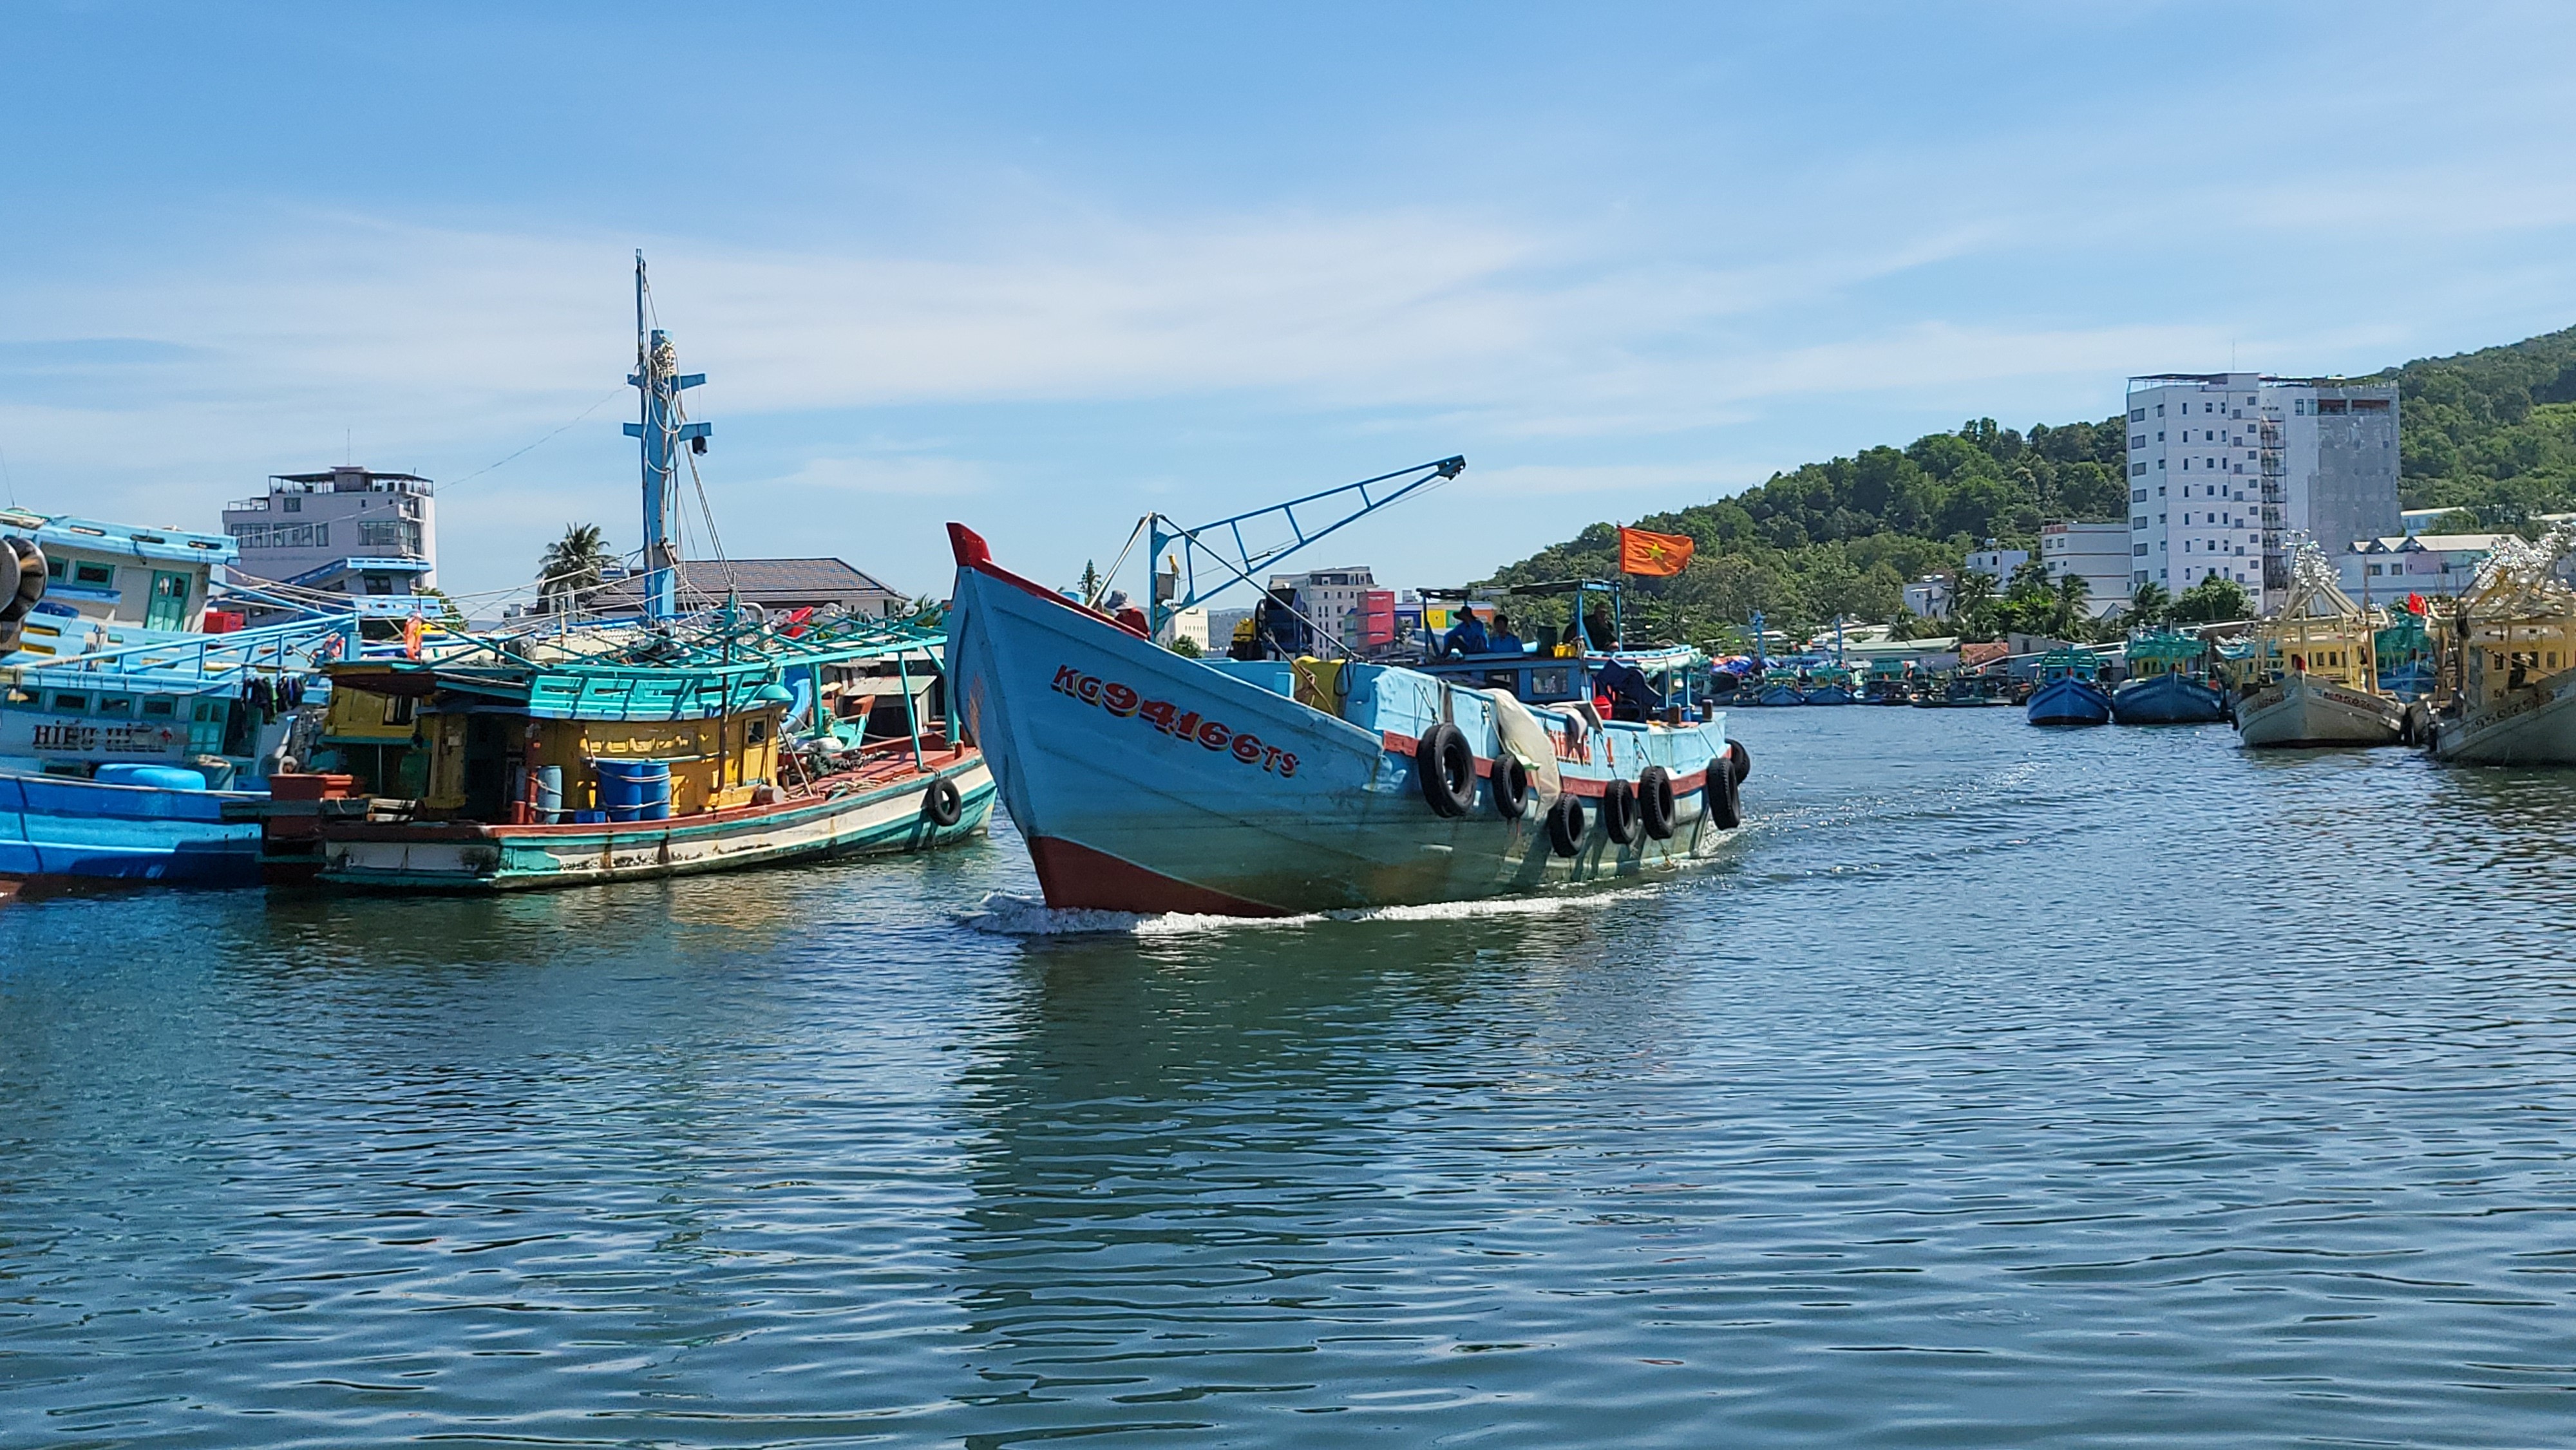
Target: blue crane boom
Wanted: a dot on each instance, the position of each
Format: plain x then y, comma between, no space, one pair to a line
1224,545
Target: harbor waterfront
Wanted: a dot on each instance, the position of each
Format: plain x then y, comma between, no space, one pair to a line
1973,1095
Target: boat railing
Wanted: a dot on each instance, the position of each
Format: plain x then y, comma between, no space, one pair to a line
198,660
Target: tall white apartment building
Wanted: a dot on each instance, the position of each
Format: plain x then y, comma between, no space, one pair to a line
349,530
2230,472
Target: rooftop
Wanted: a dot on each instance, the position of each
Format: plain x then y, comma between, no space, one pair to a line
790,582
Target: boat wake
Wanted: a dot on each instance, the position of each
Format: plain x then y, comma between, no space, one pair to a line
1005,914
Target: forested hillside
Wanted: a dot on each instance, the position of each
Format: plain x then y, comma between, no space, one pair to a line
2491,431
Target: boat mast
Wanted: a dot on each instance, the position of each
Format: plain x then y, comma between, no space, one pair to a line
663,429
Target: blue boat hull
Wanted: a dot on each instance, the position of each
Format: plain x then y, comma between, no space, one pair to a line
60,828
2069,701
1779,695
2167,700
1829,695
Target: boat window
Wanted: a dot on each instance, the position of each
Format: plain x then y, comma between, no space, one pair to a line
21,697
101,574
758,732
206,710
116,704
71,704
401,709
159,709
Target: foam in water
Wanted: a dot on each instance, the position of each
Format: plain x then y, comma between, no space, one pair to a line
1006,914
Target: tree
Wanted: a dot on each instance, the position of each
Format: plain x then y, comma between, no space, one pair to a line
2216,597
1185,646
2150,606
1972,599
1090,582
572,567
2029,602
2072,594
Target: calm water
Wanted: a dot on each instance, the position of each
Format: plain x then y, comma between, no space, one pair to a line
2001,1087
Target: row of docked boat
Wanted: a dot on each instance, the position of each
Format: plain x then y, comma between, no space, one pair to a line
564,750
2487,679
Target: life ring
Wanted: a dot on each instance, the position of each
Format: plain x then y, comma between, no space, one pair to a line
1446,767
1725,798
941,805
1656,809
1619,812
1510,786
1565,826
1742,758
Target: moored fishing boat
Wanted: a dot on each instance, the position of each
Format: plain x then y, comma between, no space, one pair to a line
2310,675
127,736
2168,683
1780,687
2507,692
1831,685
2068,691
665,746
1147,781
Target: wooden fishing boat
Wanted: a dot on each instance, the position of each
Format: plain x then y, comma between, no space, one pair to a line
2507,692
2069,692
2168,683
1146,781
2310,676
656,747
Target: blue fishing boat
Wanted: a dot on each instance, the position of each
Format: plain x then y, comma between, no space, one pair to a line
126,734
2068,693
2168,683
1780,687
1147,781
1831,685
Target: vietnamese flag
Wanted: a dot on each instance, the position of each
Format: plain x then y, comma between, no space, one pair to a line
1655,555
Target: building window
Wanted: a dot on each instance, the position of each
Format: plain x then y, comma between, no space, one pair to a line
2160,410
2137,415
292,505
2138,469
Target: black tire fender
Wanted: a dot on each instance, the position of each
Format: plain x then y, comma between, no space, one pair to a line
1566,826
1509,786
1445,766
28,582
1619,813
1657,811
1725,798
1740,759
941,805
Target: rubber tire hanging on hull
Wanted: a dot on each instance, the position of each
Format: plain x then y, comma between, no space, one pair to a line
1445,765
1742,759
1565,826
1657,811
1619,813
1726,796
941,805
1510,786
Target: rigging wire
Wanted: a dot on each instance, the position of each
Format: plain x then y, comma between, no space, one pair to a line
531,448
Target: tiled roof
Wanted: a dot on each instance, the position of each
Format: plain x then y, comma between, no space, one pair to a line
789,582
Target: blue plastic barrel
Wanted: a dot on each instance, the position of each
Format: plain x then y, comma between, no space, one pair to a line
617,794
549,801
653,791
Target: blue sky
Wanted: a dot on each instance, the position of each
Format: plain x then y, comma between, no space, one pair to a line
1043,268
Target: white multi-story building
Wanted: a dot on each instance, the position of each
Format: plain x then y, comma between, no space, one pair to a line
349,531
1929,596
1327,596
2230,472
1996,562
2096,553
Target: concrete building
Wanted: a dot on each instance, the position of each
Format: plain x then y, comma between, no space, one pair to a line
1328,596
2384,571
347,531
1928,597
2229,472
2096,553
1997,562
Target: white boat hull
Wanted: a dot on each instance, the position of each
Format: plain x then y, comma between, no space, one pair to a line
2532,726
2305,710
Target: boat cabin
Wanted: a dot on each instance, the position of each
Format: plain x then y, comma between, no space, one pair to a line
2166,652
108,584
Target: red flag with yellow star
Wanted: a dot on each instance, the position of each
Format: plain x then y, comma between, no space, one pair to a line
1653,555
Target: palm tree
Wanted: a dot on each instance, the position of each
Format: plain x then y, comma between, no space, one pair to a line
1970,595
572,567
2149,606
2072,595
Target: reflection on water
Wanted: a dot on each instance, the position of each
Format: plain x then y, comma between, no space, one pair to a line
2001,1086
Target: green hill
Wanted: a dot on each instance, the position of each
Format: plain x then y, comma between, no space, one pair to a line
2493,432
